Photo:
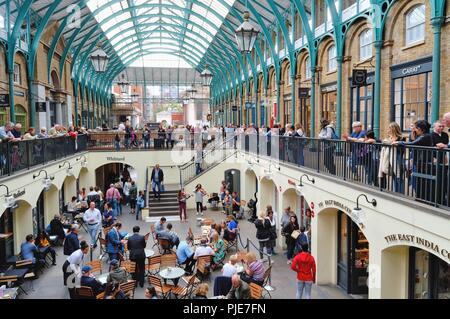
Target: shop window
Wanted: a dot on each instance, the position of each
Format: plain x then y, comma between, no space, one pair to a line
332,61
7,237
287,110
3,115
415,25
21,117
17,73
365,44
307,68
412,99
361,106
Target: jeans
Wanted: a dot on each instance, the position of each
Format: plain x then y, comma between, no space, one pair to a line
93,230
198,168
117,145
138,212
156,185
127,143
304,286
146,143
267,244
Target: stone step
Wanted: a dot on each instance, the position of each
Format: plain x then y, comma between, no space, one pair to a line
164,209
154,219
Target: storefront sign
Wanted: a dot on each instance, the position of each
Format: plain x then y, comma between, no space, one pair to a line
40,107
18,93
329,88
19,193
304,92
412,68
234,108
4,100
419,241
333,203
115,159
249,105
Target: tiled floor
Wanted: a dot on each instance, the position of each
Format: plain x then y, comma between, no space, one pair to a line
50,284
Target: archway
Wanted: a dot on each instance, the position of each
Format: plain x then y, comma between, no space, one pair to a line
250,185
55,80
342,251
112,173
22,216
268,196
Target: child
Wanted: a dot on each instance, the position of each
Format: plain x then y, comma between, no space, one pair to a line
230,268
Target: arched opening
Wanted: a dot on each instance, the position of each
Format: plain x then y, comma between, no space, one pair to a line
112,173
251,186
414,273
233,180
342,252
268,196
55,80
22,215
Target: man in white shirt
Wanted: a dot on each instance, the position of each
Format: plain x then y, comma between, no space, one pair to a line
93,219
203,249
72,268
230,269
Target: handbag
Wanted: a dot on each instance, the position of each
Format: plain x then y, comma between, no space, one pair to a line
295,234
204,208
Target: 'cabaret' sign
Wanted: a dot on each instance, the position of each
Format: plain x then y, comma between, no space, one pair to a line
115,159
418,241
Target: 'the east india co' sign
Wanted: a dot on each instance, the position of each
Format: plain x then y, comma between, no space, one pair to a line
418,241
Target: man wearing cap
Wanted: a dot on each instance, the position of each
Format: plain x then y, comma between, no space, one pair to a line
136,246
88,280
117,275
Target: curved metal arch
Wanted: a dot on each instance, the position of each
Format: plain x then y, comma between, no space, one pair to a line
130,19
144,6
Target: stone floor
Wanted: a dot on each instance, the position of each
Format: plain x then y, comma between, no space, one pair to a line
50,284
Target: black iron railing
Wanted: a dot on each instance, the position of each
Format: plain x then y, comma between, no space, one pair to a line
23,155
418,173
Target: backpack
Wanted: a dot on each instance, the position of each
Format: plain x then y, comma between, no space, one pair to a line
333,134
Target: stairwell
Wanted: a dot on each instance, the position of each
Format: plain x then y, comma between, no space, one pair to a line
166,207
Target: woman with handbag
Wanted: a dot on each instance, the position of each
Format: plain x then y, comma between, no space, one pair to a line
291,231
273,229
263,230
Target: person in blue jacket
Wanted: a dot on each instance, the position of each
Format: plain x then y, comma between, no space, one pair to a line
114,243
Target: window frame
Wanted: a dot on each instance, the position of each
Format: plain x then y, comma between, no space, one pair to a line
308,68
411,28
17,75
332,61
365,46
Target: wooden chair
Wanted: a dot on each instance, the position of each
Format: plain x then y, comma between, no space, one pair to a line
85,293
169,260
147,236
130,266
161,289
153,232
153,265
185,292
96,266
128,288
255,291
164,246
266,280
202,271
102,248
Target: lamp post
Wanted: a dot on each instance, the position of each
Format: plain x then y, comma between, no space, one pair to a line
206,76
84,162
268,172
246,34
99,59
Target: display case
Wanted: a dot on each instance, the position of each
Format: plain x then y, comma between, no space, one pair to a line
361,251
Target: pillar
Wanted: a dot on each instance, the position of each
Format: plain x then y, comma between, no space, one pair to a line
339,60
377,93
435,97
313,101
58,112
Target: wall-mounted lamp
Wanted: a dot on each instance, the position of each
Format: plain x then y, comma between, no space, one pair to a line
299,187
251,161
83,163
269,172
69,169
9,198
47,181
358,214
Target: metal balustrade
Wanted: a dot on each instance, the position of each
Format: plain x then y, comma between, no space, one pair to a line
19,156
417,173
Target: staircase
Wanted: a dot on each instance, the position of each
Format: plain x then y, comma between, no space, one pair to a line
167,207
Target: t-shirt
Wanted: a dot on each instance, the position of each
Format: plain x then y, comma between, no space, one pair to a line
28,250
199,197
232,225
258,270
203,251
235,206
228,270
183,252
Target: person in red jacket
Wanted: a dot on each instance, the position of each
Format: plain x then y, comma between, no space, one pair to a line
305,267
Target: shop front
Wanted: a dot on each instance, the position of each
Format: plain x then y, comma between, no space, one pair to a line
287,109
361,103
353,256
429,276
304,98
250,113
329,98
411,89
6,236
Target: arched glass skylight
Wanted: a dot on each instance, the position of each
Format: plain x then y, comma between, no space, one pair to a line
138,27
162,60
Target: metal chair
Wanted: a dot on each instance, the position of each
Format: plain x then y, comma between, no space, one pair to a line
255,291
128,288
153,265
162,289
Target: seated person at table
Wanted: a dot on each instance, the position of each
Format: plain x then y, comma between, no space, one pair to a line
239,289
57,229
29,250
71,243
72,206
108,215
201,292
150,293
43,243
117,275
230,231
159,226
254,269
203,249
230,269
88,280
113,291
185,255
219,251
171,235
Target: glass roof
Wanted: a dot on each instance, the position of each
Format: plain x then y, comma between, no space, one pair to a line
178,27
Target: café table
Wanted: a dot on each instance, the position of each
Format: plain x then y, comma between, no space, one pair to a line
149,253
172,273
103,278
20,273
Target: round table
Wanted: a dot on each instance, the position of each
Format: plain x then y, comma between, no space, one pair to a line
149,253
103,278
172,273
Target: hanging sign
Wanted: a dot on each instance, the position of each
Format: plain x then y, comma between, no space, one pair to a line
40,107
4,100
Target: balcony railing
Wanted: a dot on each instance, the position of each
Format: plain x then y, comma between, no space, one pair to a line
19,156
418,173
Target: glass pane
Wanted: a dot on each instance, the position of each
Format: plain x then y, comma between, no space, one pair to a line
421,273
343,253
443,286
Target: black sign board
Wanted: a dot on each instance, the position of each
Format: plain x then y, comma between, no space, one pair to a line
303,92
40,107
359,77
234,108
18,93
4,100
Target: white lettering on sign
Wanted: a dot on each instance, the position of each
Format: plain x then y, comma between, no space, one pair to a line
410,70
